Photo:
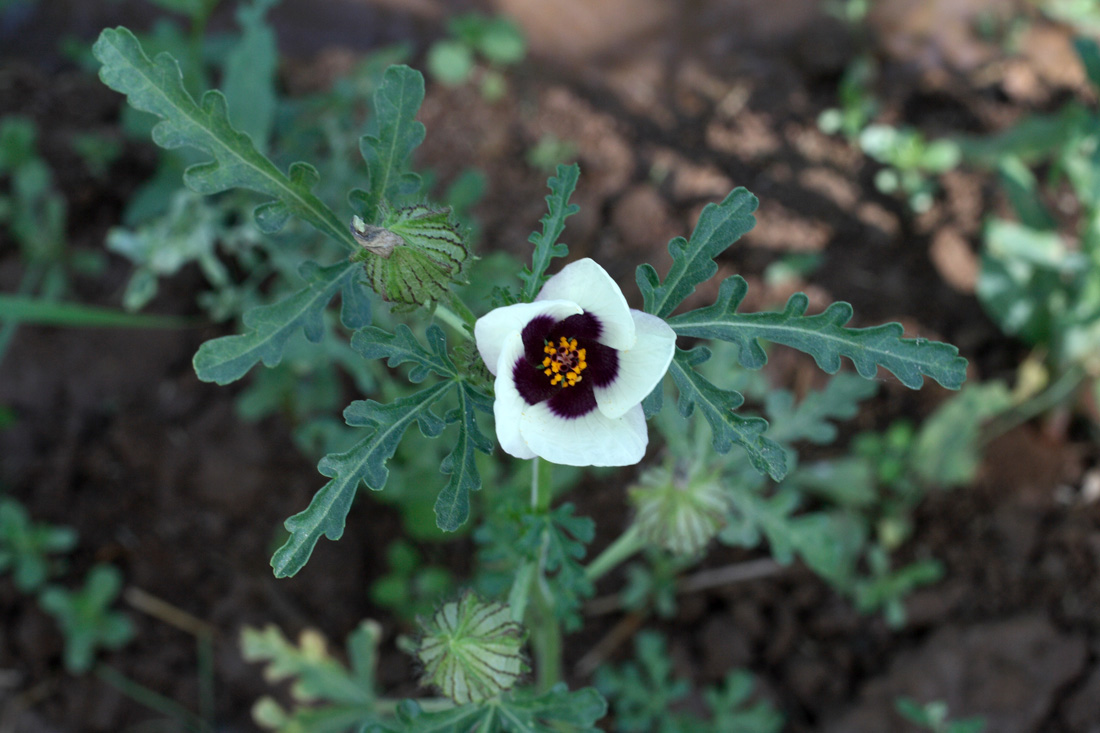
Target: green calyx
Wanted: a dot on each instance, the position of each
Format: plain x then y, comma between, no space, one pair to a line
413,256
679,513
471,650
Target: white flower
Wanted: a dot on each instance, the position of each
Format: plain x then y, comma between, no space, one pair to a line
572,369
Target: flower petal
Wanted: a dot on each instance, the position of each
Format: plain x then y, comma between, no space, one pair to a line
493,328
508,406
641,367
589,286
592,440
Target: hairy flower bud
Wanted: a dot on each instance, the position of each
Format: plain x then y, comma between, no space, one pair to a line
413,256
679,513
471,649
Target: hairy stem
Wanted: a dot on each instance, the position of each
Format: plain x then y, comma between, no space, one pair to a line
628,543
541,622
448,317
458,306
150,698
1055,394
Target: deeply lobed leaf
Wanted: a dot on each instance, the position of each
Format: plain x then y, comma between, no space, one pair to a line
546,242
452,507
717,406
270,327
719,226
403,347
392,134
365,463
555,711
157,87
822,336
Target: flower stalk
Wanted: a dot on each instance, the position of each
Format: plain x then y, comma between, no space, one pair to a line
542,624
625,546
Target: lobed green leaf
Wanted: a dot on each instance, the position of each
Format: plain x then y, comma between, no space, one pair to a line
157,87
249,78
809,420
315,673
392,134
546,242
822,336
403,347
365,463
452,507
719,226
227,359
555,711
717,406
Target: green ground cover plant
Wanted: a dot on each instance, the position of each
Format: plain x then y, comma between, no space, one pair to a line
552,367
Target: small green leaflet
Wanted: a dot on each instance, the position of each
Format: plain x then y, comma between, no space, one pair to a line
717,406
560,539
402,347
157,87
250,70
328,697
556,711
392,134
809,420
227,359
452,507
365,462
1089,53
823,337
553,224
26,546
86,619
719,226
315,673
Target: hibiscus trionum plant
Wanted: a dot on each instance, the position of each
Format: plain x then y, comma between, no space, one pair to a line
572,369
560,366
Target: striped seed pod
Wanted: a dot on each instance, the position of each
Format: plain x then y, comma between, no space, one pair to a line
471,649
679,513
414,256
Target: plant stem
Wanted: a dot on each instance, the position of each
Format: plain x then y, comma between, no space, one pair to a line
447,316
542,473
1055,394
150,698
541,621
545,637
459,307
628,543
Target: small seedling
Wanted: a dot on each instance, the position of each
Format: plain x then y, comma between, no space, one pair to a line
86,619
26,547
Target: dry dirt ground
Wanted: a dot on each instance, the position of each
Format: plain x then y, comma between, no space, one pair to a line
670,107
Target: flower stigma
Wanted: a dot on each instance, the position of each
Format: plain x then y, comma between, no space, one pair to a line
564,362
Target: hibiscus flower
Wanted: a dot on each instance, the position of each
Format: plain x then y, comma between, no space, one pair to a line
572,369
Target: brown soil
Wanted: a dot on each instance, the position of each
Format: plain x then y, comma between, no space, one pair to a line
116,437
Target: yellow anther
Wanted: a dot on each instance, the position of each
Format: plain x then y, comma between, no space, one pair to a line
564,361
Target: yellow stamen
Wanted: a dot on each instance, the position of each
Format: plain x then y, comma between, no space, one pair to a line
564,361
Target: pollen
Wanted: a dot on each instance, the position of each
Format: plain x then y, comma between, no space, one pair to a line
564,362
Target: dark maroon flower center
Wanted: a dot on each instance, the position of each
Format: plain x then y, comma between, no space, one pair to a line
536,377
